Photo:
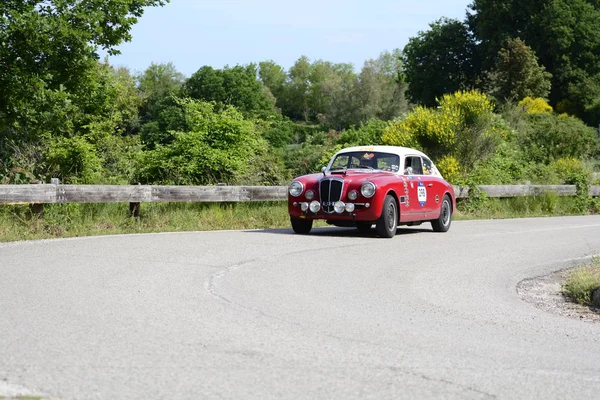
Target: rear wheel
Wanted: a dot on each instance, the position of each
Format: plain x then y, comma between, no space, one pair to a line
301,226
442,224
364,227
388,222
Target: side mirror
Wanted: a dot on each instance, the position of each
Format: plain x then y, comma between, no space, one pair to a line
323,170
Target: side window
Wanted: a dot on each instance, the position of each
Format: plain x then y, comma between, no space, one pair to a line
413,166
427,166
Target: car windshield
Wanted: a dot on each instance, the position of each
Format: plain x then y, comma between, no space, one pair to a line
368,160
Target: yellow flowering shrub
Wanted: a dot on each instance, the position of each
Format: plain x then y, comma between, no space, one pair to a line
467,106
567,167
449,167
535,106
424,128
462,122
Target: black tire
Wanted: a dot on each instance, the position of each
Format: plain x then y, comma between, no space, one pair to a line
301,226
364,227
387,224
442,224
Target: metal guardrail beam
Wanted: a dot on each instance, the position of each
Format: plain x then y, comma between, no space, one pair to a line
53,194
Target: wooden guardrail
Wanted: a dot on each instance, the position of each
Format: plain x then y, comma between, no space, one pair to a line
53,194
39,194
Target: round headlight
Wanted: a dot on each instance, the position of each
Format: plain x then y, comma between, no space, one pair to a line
349,207
353,195
367,189
296,188
309,195
339,207
315,206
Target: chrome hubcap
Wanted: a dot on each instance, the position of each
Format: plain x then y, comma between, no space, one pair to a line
391,216
445,213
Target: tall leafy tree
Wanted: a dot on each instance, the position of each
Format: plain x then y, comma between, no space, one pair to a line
49,66
439,61
296,101
48,47
564,34
236,86
157,83
274,77
381,87
517,74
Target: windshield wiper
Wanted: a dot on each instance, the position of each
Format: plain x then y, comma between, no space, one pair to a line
362,166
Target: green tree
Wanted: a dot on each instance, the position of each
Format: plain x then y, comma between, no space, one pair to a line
237,86
333,97
216,145
564,34
517,74
439,61
47,49
380,91
274,77
49,72
156,84
296,101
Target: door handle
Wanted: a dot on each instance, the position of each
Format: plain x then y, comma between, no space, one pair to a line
430,185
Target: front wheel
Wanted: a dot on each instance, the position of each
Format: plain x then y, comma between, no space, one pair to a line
442,224
301,226
388,222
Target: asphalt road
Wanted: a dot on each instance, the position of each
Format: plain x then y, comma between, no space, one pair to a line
270,314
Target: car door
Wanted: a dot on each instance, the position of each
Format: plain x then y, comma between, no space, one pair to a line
414,205
434,189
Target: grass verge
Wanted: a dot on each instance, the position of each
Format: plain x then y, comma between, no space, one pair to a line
71,220
582,281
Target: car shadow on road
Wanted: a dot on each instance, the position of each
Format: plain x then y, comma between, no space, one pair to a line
340,232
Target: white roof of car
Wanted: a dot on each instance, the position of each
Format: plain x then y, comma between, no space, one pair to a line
401,151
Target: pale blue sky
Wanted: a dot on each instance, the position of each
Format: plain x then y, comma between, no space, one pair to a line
193,33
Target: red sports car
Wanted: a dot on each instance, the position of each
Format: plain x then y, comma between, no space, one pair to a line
385,186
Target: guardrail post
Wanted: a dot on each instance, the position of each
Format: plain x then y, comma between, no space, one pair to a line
37,209
134,209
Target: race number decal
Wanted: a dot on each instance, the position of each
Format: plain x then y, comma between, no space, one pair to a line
422,194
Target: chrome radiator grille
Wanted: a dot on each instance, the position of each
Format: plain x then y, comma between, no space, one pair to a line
330,190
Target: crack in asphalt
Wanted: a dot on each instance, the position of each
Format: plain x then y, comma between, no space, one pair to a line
441,380
210,287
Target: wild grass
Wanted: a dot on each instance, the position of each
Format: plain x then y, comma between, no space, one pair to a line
582,281
70,220
545,205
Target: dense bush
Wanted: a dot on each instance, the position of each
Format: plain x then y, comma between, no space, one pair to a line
73,160
369,133
219,146
548,137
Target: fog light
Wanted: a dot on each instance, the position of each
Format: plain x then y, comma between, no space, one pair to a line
304,206
339,207
309,195
315,206
353,195
350,207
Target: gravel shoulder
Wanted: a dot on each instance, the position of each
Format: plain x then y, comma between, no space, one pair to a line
545,293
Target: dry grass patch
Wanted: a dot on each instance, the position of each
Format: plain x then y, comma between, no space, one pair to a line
582,281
